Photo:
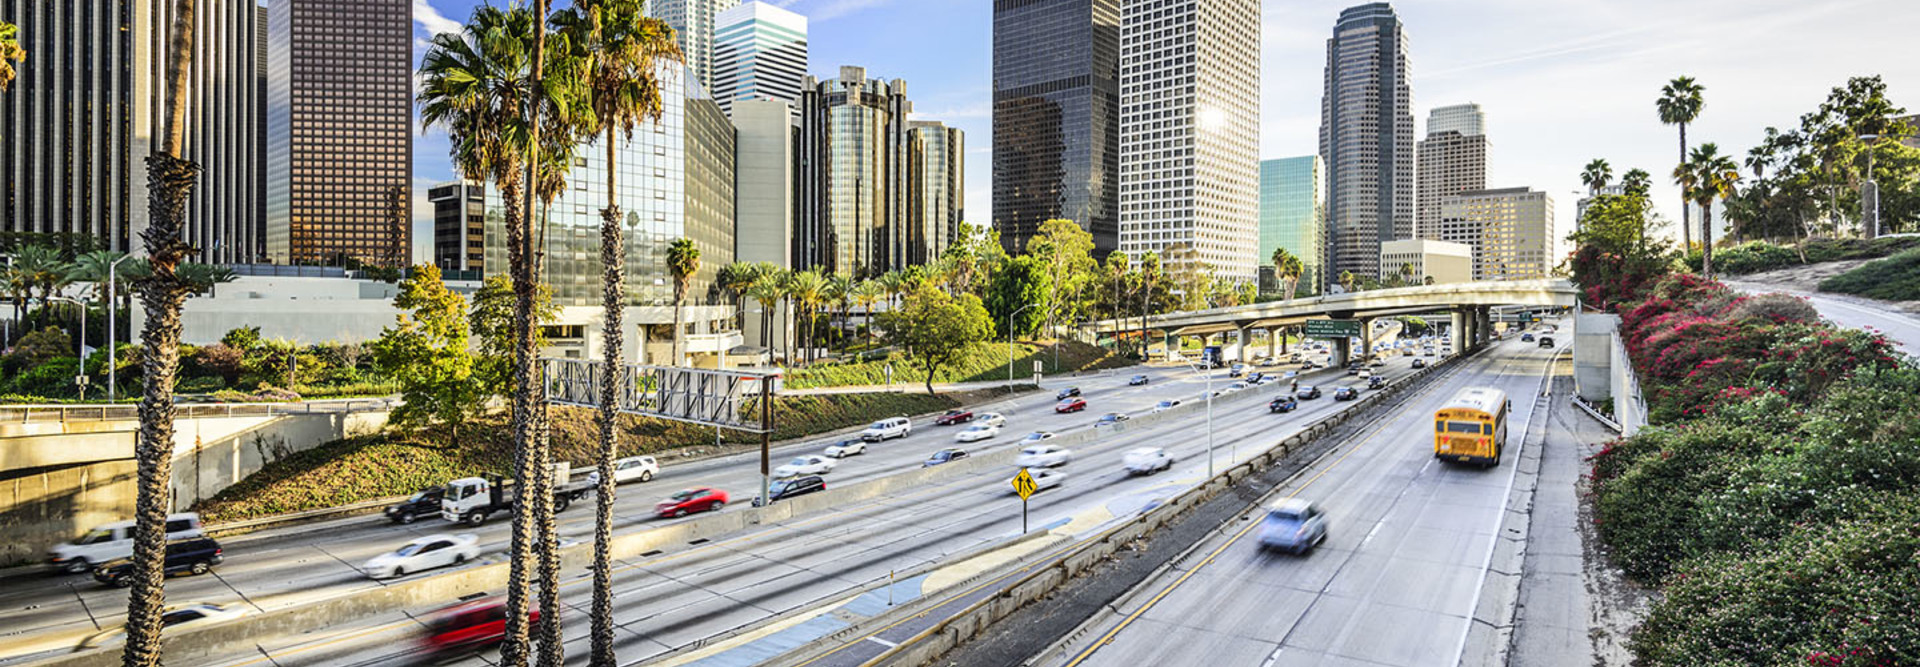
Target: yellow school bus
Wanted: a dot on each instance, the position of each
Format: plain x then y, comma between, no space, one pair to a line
1472,427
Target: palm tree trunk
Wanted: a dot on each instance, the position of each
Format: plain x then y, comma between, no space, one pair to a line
170,180
613,300
1706,238
1686,214
679,301
514,646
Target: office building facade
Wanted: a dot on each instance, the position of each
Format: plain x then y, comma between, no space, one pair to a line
759,53
657,202
1056,125
764,202
937,164
1450,163
339,132
1366,138
693,24
88,106
1439,261
1293,215
1510,230
459,226
1190,131
1465,119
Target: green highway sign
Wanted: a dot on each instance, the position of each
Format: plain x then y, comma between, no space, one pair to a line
1332,328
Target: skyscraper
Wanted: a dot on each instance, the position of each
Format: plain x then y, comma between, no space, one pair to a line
339,132
1453,159
459,225
759,53
1466,119
1293,215
1056,124
89,106
1511,232
939,201
1190,130
1366,138
693,26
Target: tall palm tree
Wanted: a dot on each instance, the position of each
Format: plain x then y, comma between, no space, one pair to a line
839,293
1596,175
807,289
683,260
478,85
1709,176
1406,273
865,294
767,292
170,179
10,53
1287,267
44,269
1347,280
620,46
1637,182
1679,104
736,279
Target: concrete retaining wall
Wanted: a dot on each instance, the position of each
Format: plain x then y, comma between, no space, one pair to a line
58,480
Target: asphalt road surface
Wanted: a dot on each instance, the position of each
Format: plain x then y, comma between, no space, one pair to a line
1394,584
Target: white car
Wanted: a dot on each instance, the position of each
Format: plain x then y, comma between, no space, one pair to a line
810,464
1035,437
1166,405
635,469
1365,373
991,419
846,448
1147,461
1044,478
173,617
977,432
424,553
113,541
1043,456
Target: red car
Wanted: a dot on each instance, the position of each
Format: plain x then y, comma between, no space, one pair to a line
1074,404
953,417
699,499
470,626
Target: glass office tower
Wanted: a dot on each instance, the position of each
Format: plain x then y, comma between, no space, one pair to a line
1366,138
1056,118
1293,215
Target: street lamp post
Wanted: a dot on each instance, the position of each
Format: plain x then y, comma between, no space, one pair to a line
1873,224
1010,317
1208,373
112,365
79,380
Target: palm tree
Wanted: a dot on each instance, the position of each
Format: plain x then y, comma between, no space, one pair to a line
43,269
477,85
736,279
621,47
1596,176
1287,268
1709,176
10,53
683,260
865,294
1679,104
767,292
1406,274
1637,182
1347,280
807,289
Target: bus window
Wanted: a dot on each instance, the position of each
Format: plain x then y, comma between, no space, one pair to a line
1463,427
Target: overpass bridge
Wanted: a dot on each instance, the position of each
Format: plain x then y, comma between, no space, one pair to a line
1469,305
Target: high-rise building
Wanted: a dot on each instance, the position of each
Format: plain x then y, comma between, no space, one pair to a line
764,200
1510,230
675,181
339,132
1450,163
938,175
1580,207
1056,123
88,106
1293,215
459,225
1441,261
759,53
1366,138
693,26
856,188
1190,131
260,131
1466,119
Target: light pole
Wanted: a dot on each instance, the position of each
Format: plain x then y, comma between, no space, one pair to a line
80,379
1208,373
1010,317
112,365
1873,224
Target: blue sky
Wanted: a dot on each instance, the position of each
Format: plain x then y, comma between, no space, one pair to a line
1561,81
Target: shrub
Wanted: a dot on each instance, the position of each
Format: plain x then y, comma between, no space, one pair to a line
37,348
1895,278
218,360
52,378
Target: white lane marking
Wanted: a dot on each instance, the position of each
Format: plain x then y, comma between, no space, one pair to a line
881,642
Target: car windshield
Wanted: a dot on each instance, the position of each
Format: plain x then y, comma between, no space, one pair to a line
878,425
941,456
683,495
978,427
1289,515
1166,404
798,462
417,497
410,549
94,536
1036,436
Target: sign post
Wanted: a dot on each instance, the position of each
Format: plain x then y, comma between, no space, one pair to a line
1023,485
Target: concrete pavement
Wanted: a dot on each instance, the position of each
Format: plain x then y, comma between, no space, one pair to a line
1853,312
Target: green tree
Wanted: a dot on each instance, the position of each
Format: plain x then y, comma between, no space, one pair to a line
975,254
426,352
1067,251
767,291
1406,274
1637,182
490,323
1347,281
1596,175
1679,104
866,294
1024,281
935,327
10,53
1706,177
1287,268
806,290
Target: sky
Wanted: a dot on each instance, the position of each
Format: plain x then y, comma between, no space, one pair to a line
1561,81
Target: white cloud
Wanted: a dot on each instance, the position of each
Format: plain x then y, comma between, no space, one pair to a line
431,20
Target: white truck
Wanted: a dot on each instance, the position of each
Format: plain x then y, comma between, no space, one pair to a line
470,500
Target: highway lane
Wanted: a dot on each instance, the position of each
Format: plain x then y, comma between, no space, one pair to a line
288,566
685,597
1396,582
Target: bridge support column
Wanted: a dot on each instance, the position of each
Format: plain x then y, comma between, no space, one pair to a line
1483,325
1458,332
1276,340
1245,353
1366,338
1341,352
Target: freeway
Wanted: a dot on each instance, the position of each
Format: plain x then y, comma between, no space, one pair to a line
1396,582
286,567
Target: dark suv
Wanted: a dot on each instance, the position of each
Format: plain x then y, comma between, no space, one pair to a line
189,556
426,502
798,486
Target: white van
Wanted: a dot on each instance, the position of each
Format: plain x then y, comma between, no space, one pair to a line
113,541
893,427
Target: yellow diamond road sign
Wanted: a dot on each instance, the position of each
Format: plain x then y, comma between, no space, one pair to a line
1023,484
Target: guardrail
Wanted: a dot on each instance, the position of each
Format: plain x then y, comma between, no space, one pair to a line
56,413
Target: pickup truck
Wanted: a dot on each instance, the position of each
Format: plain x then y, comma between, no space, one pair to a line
470,500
